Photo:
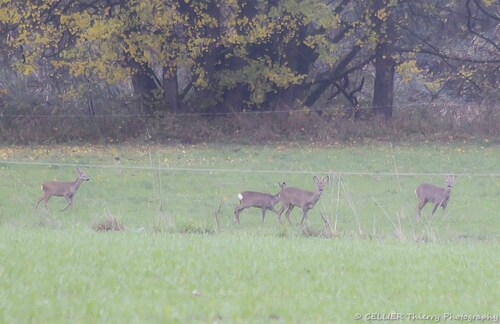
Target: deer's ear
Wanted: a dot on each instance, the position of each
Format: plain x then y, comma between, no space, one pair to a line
327,178
315,179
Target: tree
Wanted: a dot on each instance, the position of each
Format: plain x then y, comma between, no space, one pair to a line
434,35
233,54
385,63
448,43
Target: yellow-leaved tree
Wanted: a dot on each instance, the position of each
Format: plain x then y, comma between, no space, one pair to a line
230,55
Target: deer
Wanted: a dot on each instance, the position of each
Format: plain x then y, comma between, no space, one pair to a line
436,195
62,189
256,199
291,197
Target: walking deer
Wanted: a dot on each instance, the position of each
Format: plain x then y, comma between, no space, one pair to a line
436,195
291,197
62,189
260,200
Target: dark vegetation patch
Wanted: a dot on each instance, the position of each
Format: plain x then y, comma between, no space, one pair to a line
108,224
191,228
444,122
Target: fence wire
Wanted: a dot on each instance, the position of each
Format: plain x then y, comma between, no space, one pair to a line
212,114
193,198
249,171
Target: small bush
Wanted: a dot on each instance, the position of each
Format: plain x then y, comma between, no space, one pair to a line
108,224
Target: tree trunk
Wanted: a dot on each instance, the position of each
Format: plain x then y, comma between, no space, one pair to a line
383,90
170,89
144,85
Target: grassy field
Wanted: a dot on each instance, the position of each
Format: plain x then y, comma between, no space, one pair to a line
181,258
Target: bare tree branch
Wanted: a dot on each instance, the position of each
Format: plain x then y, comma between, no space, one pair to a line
470,27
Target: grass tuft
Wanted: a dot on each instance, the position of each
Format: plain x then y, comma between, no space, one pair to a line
109,223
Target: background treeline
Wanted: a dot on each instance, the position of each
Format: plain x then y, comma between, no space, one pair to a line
419,65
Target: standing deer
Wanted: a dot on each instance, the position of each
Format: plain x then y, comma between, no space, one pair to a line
291,197
260,200
62,189
436,195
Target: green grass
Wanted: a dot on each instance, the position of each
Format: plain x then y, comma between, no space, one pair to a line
82,276
179,259
194,181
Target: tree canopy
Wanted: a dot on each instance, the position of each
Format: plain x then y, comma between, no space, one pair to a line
230,55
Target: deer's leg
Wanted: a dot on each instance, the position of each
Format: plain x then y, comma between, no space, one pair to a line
39,200
236,216
419,209
237,212
45,199
287,214
70,202
264,209
304,215
281,212
434,209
